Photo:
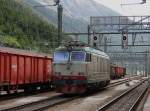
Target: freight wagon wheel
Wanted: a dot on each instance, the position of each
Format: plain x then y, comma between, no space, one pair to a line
33,89
7,89
44,87
16,91
29,89
26,90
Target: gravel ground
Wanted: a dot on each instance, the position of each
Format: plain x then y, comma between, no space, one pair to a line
92,103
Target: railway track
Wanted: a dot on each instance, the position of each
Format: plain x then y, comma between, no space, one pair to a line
123,81
40,105
21,94
127,101
49,102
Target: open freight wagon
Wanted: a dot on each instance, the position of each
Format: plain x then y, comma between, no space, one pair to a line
24,70
117,72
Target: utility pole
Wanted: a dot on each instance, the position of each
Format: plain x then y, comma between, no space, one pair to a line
88,28
146,63
105,44
59,22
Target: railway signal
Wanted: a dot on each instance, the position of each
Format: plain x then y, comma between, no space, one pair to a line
124,40
95,41
95,37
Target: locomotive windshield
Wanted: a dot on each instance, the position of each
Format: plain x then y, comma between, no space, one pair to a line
77,56
61,56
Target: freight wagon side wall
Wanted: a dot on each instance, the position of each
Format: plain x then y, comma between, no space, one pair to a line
1,68
13,70
4,69
119,70
48,69
124,71
21,69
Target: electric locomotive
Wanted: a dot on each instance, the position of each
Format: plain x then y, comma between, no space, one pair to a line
78,67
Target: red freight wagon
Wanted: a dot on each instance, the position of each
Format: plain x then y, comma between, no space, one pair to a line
117,72
24,70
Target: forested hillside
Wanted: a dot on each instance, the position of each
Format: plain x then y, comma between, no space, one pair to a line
21,28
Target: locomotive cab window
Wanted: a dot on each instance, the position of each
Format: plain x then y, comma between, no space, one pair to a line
88,57
61,56
77,56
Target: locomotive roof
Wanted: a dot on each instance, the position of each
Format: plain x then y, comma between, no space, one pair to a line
95,51
87,49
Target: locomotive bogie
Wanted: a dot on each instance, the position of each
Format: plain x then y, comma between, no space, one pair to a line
71,84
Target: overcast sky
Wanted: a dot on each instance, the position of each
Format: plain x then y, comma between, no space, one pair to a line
139,9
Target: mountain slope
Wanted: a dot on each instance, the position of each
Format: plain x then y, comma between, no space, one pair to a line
76,13
86,8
